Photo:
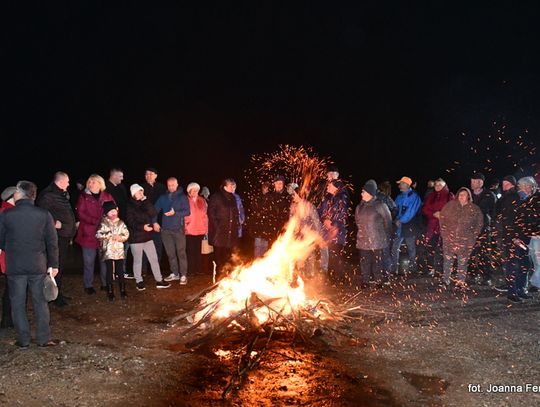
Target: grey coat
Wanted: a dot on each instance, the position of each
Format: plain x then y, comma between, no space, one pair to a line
374,224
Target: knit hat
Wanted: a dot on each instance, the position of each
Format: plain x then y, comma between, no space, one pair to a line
8,193
370,187
478,175
193,185
108,206
511,179
134,188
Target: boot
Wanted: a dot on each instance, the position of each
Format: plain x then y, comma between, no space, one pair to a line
123,293
110,292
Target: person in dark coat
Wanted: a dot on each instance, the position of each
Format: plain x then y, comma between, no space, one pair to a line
29,238
374,224
259,220
279,205
505,212
461,222
431,209
334,213
384,195
223,222
526,227
55,198
482,257
141,222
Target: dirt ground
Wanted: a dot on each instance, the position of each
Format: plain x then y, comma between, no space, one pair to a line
418,346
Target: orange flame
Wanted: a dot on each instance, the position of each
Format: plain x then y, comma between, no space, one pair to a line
272,276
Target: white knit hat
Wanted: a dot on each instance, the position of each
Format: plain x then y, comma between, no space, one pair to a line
134,188
193,185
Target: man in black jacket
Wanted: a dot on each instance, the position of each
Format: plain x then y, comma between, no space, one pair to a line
55,198
29,238
482,258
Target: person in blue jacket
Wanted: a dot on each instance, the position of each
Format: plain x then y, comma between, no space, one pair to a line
175,206
406,222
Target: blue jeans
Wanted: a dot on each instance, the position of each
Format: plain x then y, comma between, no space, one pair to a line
260,247
18,285
410,241
517,272
89,259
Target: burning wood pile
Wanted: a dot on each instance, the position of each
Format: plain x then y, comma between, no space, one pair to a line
265,302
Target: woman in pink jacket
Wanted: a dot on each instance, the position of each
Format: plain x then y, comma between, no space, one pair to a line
196,228
89,211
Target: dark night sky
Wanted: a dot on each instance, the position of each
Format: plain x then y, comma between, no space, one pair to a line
194,91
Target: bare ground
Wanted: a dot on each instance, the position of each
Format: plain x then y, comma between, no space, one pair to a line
425,352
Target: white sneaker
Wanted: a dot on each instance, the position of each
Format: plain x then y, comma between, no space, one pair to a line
171,277
183,280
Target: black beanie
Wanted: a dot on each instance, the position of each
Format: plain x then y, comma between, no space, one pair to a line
370,187
108,206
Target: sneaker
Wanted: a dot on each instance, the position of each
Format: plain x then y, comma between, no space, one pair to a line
129,276
514,298
90,290
183,280
171,277
502,288
22,346
162,284
140,286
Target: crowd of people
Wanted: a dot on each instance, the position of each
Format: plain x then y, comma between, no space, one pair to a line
462,238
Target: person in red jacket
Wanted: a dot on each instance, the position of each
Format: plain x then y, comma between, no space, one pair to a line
7,202
433,205
90,211
196,228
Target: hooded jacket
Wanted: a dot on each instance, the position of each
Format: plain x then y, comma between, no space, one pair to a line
460,225
112,250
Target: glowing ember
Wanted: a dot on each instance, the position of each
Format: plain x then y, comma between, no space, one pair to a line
273,277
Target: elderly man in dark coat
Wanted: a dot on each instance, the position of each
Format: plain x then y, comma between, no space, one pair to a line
28,236
374,224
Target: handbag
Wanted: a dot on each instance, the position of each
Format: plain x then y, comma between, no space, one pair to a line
50,289
206,248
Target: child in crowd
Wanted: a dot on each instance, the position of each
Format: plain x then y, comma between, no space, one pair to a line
112,233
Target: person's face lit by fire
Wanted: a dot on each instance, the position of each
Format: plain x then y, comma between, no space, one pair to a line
278,186
331,189
230,187
476,184
506,185
403,186
172,185
463,198
150,177
439,185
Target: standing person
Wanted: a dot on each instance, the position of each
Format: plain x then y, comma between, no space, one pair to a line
196,228
205,193
112,234
223,223
153,189
241,213
505,211
308,222
141,221
374,224
55,198
408,203
260,220
28,236
174,206
384,195
90,210
461,222
7,202
334,212
430,187
118,191
431,209
332,173
482,260
526,226
279,206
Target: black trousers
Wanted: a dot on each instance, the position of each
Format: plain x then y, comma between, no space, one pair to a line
63,247
371,264
6,307
115,268
194,255
222,255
